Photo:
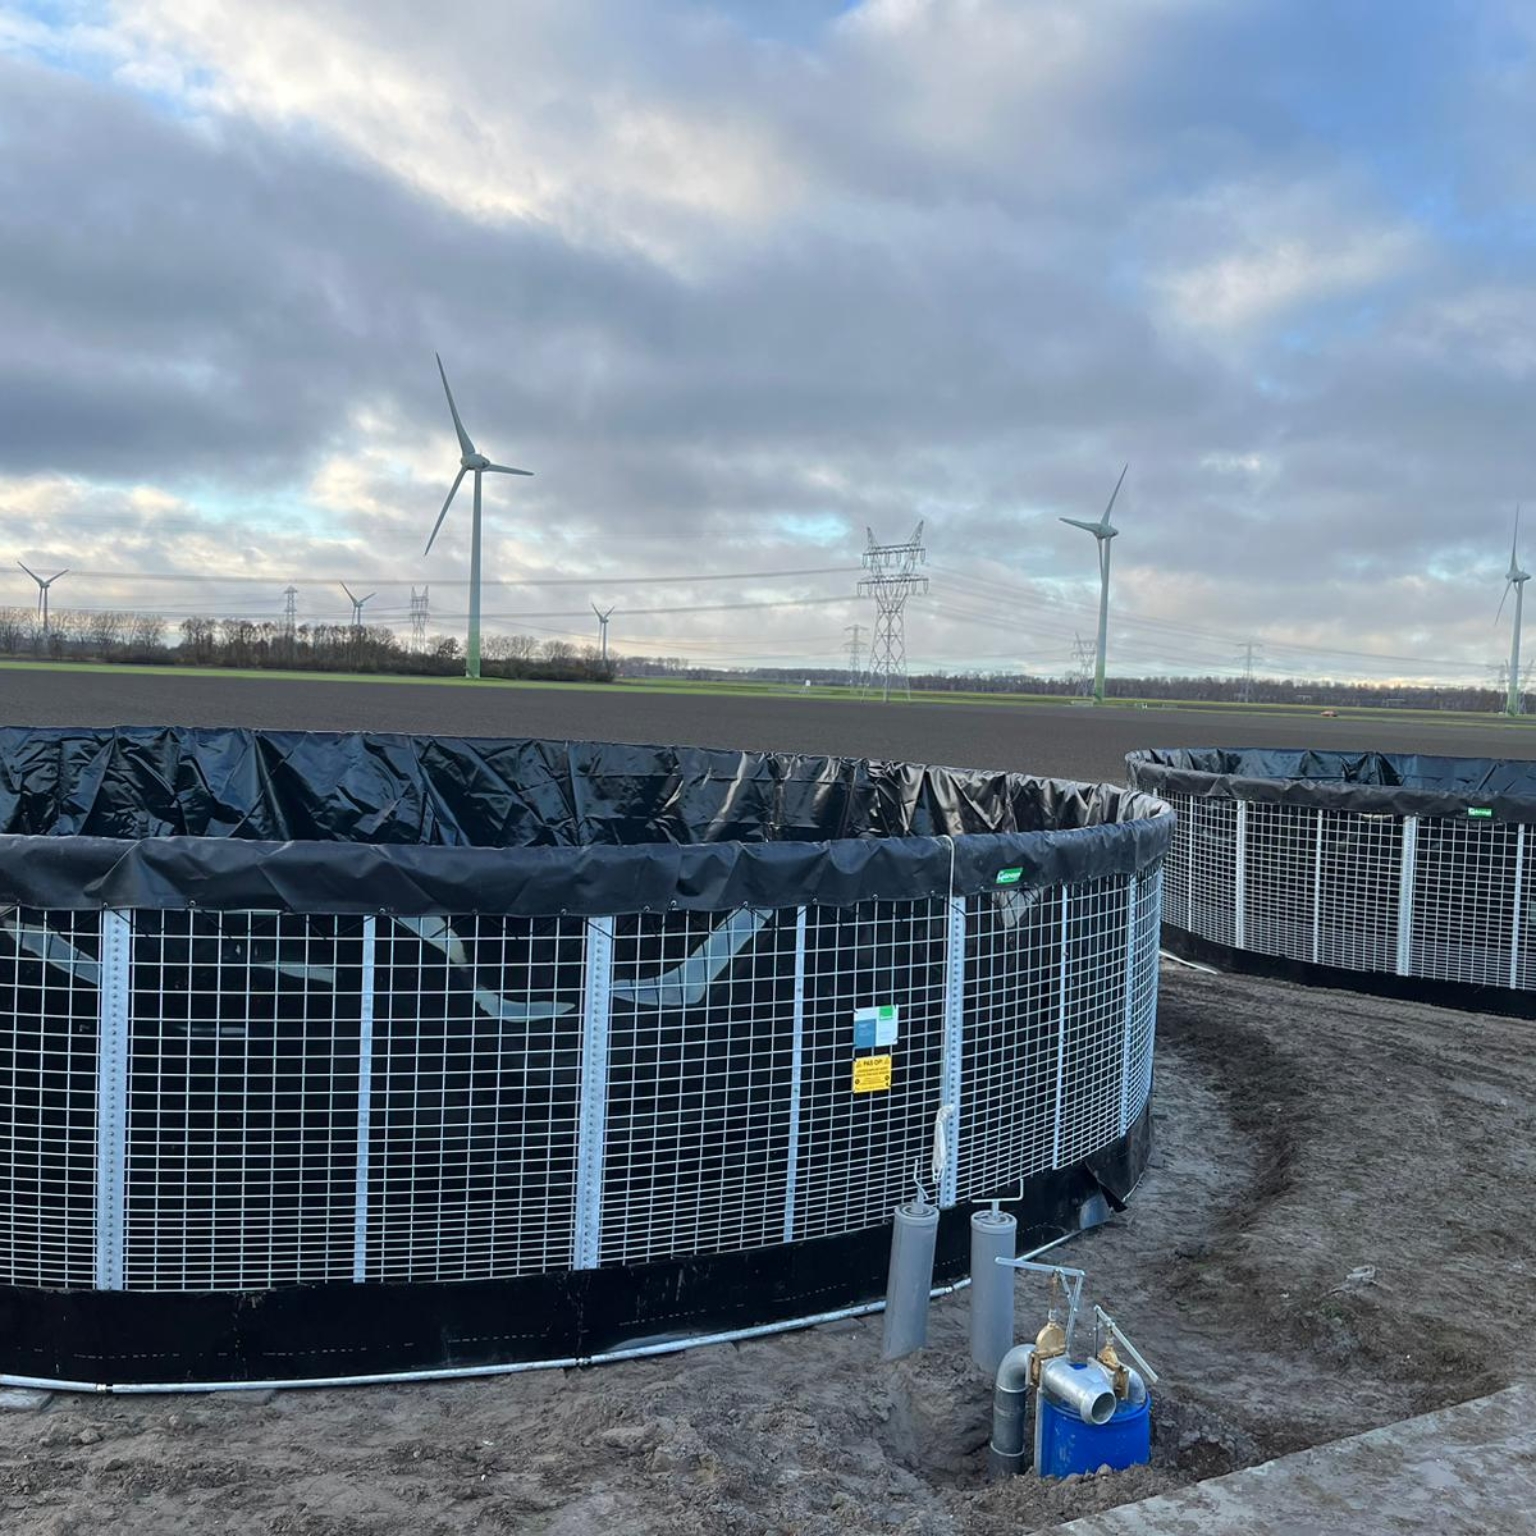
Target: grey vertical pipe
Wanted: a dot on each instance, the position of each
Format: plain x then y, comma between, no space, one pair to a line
914,1233
1010,1400
994,1235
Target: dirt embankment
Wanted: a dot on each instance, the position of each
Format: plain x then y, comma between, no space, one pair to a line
1333,1235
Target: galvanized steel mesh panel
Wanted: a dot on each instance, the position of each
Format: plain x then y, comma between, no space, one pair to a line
700,1062
242,1100
49,1004
859,1152
472,1116
258,1100
1464,917
1208,829
1093,1028
1446,898
1012,1028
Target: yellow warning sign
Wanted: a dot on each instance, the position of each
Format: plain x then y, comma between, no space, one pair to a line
871,1074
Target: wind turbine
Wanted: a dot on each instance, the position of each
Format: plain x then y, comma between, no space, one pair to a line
1516,578
1103,532
469,459
602,621
43,583
357,605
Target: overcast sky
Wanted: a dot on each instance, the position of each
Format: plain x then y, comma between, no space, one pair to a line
738,280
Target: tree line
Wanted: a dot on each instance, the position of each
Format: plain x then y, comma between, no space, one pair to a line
146,639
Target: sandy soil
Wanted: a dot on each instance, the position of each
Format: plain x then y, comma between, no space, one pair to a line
1333,1235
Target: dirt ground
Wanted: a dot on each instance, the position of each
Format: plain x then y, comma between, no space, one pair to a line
1051,739
1334,1234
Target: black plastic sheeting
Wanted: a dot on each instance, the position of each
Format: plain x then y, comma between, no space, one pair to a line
341,1331
1403,784
356,823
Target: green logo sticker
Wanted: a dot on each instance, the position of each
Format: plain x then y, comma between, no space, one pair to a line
1480,812
1010,876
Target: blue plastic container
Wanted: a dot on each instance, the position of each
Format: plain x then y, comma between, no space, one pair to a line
1065,1444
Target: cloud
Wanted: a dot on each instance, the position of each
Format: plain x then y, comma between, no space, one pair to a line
737,282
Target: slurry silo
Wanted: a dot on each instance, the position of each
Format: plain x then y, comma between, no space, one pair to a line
1401,874
327,1057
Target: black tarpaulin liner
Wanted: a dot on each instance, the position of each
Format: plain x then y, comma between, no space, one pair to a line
369,822
1392,783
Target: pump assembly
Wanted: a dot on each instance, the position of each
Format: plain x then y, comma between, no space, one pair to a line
1090,1412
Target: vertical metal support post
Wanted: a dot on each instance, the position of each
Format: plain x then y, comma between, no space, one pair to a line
952,1061
112,1046
1061,1032
1405,873
1317,890
1132,886
1517,916
1154,931
592,1121
1189,869
796,1069
364,1103
1240,880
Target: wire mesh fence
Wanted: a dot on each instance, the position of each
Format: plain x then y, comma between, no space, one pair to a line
1446,898
233,1101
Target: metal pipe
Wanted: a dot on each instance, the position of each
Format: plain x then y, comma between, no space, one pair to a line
1010,1401
993,1236
914,1234
1087,1389
1135,1387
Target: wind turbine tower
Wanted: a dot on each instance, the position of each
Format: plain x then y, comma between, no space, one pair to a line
469,459
419,619
1104,533
602,624
1516,578
357,605
43,584
892,579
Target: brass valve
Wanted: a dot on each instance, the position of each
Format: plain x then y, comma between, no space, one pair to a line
1118,1372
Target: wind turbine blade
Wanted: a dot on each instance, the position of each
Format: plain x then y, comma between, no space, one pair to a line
501,469
348,590
1514,542
465,445
30,572
367,599
1077,522
1104,521
1500,614
452,492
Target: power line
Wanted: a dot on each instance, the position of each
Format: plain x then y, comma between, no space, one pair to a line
702,578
